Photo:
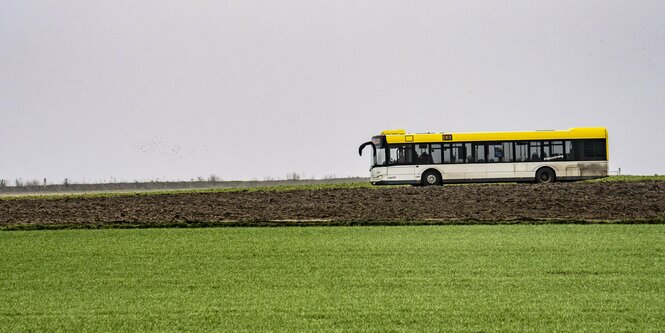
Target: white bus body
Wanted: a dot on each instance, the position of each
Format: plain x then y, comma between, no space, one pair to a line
437,158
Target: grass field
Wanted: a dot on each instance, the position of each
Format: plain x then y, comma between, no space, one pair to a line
603,278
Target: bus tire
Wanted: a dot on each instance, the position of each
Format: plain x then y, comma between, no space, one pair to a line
431,177
545,175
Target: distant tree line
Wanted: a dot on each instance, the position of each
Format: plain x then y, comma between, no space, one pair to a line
211,179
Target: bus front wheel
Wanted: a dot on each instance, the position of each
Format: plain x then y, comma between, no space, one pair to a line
430,177
545,175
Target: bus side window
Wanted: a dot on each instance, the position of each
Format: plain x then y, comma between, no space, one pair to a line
470,154
436,153
507,152
422,154
393,153
453,153
594,150
521,151
535,151
479,152
410,154
495,152
556,150
578,150
459,153
402,154
568,150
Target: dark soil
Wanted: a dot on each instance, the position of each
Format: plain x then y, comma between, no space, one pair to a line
487,203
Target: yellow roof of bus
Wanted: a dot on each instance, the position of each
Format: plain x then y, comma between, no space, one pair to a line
400,136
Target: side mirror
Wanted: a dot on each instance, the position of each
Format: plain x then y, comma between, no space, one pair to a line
362,146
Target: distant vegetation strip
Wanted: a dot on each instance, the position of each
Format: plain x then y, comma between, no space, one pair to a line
629,178
164,185
189,191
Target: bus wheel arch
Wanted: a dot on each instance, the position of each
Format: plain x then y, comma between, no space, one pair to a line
545,175
431,177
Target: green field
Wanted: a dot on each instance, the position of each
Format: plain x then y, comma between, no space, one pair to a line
450,278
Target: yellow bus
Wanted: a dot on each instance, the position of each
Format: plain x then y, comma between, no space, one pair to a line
542,156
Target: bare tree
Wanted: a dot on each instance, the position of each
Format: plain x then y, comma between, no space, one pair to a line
32,182
214,178
3,182
292,176
19,182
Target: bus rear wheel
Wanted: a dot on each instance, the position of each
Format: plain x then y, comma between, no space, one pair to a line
430,177
545,175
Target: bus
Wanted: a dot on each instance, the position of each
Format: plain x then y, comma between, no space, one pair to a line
542,156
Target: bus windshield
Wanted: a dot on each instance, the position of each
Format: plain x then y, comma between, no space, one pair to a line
380,157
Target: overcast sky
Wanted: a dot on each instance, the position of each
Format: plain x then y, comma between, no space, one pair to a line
172,90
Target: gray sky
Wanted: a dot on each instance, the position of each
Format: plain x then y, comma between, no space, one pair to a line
248,89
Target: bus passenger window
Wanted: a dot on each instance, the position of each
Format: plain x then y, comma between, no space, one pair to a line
470,158
594,149
521,152
534,151
436,153
401,154
422,154
555,151
459,153
495,152
392,153
447,154
479,152
453,154
568,150
507,152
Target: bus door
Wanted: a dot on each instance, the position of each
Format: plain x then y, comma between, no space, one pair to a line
476,161
499,155
402,163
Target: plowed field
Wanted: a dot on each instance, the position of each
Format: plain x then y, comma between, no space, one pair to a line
611,201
